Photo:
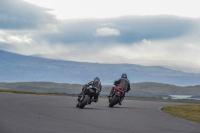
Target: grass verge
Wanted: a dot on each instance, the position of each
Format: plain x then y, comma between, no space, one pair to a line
185,101
35,93
105,96
188,112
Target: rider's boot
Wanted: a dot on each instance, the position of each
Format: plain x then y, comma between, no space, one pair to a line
110,95
96,97
77,105
120,101
80,95
82,92
95,100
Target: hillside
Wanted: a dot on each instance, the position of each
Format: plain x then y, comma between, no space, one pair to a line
20,68
147,89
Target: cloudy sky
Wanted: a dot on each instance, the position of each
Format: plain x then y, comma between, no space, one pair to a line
153,33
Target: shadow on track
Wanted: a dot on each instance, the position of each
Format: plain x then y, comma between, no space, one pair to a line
119,107
91,108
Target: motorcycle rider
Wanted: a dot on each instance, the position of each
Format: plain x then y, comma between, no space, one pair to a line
96,83
124,83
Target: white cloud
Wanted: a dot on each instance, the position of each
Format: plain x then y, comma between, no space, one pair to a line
70,9
2,34
19,39
24,43
2,40
180,56
15,39
50,28
146,41
105,24
107,32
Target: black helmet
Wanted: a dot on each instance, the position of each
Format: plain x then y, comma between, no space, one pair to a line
124,75
96,79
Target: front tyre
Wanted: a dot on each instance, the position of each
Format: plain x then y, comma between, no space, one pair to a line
113,101
84,102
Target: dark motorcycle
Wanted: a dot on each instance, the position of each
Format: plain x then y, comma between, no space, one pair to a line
116,96
87,97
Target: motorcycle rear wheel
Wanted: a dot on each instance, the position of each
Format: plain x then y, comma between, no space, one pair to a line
113,101
84,102
77,105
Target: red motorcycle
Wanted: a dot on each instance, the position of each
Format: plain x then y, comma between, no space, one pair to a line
116,96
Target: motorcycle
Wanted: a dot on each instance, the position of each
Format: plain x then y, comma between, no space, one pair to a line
116,96
87,97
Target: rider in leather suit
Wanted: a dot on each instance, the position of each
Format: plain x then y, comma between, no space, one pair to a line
94,84
124,83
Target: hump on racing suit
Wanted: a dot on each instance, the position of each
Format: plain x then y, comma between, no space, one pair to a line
96,83
124,83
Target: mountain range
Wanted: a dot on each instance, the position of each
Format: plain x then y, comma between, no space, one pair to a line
20,68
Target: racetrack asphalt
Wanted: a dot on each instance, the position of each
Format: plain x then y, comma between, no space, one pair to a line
22,113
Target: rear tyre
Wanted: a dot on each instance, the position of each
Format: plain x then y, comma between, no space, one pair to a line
113,101
84,102
77,105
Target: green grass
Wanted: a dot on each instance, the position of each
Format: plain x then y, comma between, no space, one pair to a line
34,93
104,96
19,92
188,112
189,101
